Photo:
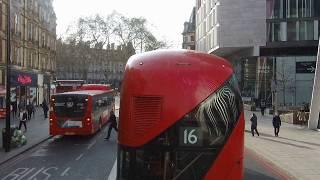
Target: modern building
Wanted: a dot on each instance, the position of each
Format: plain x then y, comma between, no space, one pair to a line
33,54
271,43
189,32
314,118
94,65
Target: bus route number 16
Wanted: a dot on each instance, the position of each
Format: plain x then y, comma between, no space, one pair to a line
190,136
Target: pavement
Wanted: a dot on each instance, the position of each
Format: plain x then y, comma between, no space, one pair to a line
295,154
38,131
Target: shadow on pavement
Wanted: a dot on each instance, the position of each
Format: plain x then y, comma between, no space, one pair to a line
280,142
251,174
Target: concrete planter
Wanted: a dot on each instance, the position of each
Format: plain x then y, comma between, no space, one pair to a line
294,118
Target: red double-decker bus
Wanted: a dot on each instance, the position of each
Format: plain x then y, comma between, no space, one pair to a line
67,85
181,118
80,112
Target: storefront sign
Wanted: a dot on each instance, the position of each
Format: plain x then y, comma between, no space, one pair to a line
19,78
306,67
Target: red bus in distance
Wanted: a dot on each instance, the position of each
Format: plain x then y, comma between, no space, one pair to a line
80,112
67,85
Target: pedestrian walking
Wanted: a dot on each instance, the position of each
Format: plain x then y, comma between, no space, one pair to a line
33,109
276,121
23,119
45,108
262,107
14,108
113,124
20,107
29,110
254,124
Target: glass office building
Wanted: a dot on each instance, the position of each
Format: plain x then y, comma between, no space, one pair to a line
273,44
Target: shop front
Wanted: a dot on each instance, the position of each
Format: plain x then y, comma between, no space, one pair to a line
46,87
23,87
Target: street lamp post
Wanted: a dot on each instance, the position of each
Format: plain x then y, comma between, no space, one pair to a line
8,131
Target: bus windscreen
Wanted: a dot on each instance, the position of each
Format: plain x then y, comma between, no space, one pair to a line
70,105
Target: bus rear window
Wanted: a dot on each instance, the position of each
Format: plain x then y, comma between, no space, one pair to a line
72,106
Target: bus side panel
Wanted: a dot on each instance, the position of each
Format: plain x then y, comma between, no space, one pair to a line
104,115
229,163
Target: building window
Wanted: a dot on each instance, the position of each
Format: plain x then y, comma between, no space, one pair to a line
277,32
316,6
306,29
184,39
16,20
318,30
199,3
274,9
305,8
292,31
4,20
291,8
192,38
3,51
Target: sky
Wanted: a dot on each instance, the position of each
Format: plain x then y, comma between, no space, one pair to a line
165,17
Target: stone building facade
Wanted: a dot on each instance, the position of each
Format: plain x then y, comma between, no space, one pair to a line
189,32
94,65
33,48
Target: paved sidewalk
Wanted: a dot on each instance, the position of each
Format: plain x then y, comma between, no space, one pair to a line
38,131
296,151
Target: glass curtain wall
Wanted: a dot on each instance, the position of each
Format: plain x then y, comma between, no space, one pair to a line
293,20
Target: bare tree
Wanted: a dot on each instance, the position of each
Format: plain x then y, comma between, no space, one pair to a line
284,81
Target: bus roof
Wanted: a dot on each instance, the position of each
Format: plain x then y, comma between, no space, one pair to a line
85,92
103,87
61,80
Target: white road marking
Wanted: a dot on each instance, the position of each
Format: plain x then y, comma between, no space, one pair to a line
25,174
65,172
47,173
113,172
35,174
39,153
79,157
93,143
16,173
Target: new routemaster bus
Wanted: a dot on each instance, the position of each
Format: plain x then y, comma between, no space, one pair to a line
80,112
181,118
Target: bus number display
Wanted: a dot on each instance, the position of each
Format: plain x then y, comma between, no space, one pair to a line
190,136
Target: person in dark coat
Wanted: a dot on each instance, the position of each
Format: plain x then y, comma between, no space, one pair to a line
113,124
45,108
23,119
276,121
254,124
20,106
14,108
33,110
29,110
262,107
